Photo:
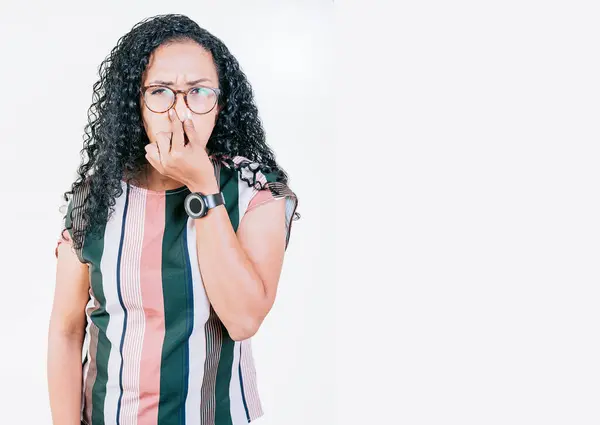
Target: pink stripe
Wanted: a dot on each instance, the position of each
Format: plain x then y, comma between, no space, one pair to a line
261,197
91,373
152,296
249,381
132,300
239,159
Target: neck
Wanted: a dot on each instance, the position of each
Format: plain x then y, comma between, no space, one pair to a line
151,179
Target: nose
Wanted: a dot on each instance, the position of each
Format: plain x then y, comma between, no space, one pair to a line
181,108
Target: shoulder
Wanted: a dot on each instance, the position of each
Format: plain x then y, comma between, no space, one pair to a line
75,200
247,184
240,172
254,173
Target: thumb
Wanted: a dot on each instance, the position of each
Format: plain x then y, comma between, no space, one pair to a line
152,152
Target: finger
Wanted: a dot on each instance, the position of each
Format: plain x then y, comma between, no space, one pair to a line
153,156
163,145
190,131
178,134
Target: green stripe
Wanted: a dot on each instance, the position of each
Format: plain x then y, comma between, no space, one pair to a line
223,404
92,251
68,220
271,177
229,187
178,304
229,181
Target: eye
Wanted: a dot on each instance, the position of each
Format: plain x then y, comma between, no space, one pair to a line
200,91
161,91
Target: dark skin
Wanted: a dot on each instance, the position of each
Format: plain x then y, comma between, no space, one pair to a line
240,271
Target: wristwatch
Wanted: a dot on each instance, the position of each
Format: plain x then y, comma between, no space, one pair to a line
197,204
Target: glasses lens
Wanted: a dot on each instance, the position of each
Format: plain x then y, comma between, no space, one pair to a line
201,99
158,99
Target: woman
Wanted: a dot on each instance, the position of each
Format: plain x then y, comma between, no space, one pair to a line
173,241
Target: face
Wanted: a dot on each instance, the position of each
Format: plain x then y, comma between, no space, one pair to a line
180,66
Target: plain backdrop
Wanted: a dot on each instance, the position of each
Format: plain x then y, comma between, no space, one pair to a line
50,55
468,221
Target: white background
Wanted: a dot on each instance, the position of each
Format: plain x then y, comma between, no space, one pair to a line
476,297
50,55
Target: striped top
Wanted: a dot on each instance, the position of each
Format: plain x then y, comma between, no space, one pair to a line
155,352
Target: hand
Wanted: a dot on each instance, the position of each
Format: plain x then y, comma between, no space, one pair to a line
181,155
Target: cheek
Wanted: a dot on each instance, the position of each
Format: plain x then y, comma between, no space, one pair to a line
205,125
152,124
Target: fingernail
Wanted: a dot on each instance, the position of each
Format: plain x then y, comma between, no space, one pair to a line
189,115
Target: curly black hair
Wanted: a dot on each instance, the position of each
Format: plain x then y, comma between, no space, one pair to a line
114,136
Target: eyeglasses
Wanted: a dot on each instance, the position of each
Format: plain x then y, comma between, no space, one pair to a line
200,100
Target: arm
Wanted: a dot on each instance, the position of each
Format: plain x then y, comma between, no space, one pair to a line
241,271
65,336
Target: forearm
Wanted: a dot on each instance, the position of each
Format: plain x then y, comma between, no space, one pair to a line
233,287
64,377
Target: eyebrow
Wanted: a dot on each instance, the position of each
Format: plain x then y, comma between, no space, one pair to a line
171,83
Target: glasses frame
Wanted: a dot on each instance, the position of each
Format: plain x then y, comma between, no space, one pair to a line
217,92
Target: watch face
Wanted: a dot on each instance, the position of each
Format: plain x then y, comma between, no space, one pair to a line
195,205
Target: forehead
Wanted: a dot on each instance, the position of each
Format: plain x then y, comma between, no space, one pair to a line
180,62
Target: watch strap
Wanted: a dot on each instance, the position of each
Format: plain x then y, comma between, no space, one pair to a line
214,200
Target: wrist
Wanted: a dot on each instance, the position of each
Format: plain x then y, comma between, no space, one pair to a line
203,179
206,186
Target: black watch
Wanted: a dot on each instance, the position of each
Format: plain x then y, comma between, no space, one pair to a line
197,204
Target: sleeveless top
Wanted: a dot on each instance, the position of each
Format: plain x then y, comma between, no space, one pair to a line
155,352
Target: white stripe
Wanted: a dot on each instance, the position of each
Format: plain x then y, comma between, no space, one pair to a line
236,402
245,195
108,266
86,348
246,192
132,299
197,341
249,380
91,349
214,338
86,369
